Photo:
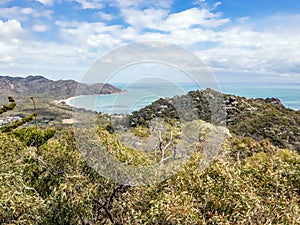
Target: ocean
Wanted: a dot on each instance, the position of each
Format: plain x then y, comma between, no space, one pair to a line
141,95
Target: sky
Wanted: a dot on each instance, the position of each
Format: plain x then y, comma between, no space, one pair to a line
239,40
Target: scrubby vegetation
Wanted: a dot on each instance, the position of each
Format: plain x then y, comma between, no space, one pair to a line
256,118
254,179
249,182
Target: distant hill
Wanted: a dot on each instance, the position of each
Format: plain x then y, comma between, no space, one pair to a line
257,118
38,85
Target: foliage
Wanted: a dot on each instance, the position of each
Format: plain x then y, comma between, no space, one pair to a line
249,183
33,137
8,107
263,188
19,203
16,124
141,132
120,151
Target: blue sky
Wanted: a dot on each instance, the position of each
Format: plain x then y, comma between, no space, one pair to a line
239,40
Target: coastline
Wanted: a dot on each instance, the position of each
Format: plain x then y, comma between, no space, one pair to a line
67,101
287,99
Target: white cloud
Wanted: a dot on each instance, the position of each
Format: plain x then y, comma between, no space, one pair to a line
106,16
105,41
90,35
243,50
197,2
10,30
193,17
217,4
159,19
140,4
10,40
99,36
67,24
207,5
90,4
46,2
49,59
128,34
40,28
6,59
243,19
27,10
23,14
148,18
269,46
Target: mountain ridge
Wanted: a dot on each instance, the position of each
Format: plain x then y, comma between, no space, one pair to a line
39,85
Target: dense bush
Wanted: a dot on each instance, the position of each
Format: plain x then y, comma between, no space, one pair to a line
34,137
248,183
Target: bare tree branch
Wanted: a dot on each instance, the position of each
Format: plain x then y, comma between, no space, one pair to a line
107,205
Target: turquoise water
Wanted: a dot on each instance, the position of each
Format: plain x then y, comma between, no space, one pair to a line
138,96
288,93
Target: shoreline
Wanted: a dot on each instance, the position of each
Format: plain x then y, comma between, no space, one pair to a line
67,100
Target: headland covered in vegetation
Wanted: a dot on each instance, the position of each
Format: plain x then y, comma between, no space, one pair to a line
254,177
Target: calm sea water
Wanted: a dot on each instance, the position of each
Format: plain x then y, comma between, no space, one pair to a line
138,96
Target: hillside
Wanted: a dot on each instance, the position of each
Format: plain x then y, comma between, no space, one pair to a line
256,118
50,182
45,178
38,85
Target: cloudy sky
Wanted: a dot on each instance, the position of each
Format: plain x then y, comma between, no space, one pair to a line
240,40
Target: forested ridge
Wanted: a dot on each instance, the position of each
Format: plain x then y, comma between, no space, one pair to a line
257,118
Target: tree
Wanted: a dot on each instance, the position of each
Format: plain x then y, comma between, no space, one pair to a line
18,123
8,107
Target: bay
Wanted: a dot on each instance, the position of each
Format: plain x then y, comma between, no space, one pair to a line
141,95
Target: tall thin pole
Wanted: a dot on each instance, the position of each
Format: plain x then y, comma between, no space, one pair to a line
34,111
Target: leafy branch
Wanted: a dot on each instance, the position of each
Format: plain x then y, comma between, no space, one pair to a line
8,107
16,124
